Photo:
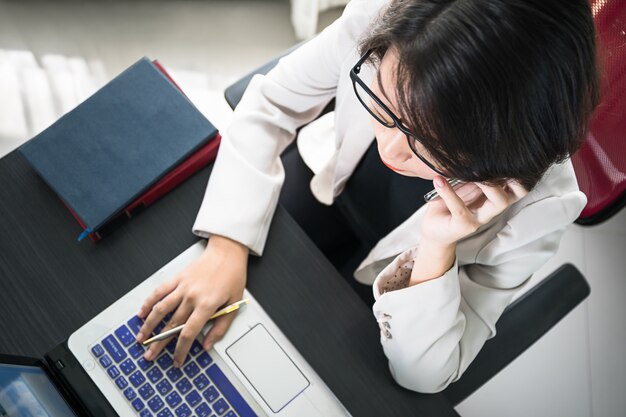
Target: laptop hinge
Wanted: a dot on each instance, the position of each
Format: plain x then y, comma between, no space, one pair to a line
74,381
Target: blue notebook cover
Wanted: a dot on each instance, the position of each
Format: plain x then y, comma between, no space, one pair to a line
112,147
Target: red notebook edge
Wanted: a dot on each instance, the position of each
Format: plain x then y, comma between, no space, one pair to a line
198,160
191,165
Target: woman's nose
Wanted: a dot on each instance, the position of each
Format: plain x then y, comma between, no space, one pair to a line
395,146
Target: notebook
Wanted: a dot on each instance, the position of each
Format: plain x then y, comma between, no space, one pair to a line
108,152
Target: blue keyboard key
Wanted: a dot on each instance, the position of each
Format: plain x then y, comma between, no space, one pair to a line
211,394
183,411
121,382
165,413
158,328
145,413
230,392
124,335
154,374
156,404
138,404
204,359
201,382
97,351
196,348
146,391
174,374
143,364
137,379
231,413
128,366
136,350
220,406
113,347
171,346
191,369
130,393
135,324
164,361
203,410
193,398
164,386
113,372
183,386
173,399
105,361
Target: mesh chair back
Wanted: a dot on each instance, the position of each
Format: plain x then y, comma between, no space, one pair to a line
600,164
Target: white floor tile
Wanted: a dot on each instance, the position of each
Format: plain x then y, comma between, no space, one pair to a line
606,271
550,379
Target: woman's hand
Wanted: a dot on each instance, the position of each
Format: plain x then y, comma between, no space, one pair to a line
212,281
454,216
459,213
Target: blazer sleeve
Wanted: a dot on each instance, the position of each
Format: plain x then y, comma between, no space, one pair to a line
245,183
431,332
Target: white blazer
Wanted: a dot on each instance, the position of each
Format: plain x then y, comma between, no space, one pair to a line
430,332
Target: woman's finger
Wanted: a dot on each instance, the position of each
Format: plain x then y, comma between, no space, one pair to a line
159,311
455,204
192,328
517,189
156,295
180,317
220,326
496,196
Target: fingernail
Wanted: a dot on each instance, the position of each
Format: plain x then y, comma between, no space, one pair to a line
438,182
140,337
148,355
176,364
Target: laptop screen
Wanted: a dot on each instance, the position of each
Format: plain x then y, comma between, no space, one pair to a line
27,391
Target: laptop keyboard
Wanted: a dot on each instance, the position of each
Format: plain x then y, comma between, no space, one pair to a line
198,388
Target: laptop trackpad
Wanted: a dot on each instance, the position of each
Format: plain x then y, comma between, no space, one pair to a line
267,367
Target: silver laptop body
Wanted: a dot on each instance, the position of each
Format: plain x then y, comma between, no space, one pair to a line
257,358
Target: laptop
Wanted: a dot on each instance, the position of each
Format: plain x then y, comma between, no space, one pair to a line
100,371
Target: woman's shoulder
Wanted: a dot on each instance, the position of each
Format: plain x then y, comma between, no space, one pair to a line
359,15
554,203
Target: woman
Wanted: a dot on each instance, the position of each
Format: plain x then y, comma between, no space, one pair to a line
496,93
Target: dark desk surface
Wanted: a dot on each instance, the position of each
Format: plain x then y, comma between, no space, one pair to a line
51,285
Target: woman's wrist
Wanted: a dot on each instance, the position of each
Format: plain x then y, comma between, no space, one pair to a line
226,246
432,261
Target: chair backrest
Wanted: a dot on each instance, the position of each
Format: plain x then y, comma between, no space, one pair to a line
234,92
600,164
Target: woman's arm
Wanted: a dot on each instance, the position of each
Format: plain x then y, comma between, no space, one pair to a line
243,190
436,328
245,183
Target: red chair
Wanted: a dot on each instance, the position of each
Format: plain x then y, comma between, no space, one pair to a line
600,164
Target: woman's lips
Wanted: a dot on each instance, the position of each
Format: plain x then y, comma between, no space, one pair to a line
391,167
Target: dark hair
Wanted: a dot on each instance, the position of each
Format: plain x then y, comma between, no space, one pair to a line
495,90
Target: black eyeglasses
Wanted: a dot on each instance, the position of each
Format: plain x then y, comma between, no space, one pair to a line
381,112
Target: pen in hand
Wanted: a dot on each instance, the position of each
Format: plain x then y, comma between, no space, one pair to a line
178,329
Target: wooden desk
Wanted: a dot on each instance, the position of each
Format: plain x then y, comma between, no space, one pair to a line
50,285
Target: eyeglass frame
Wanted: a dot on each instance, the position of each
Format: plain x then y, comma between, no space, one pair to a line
354,76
